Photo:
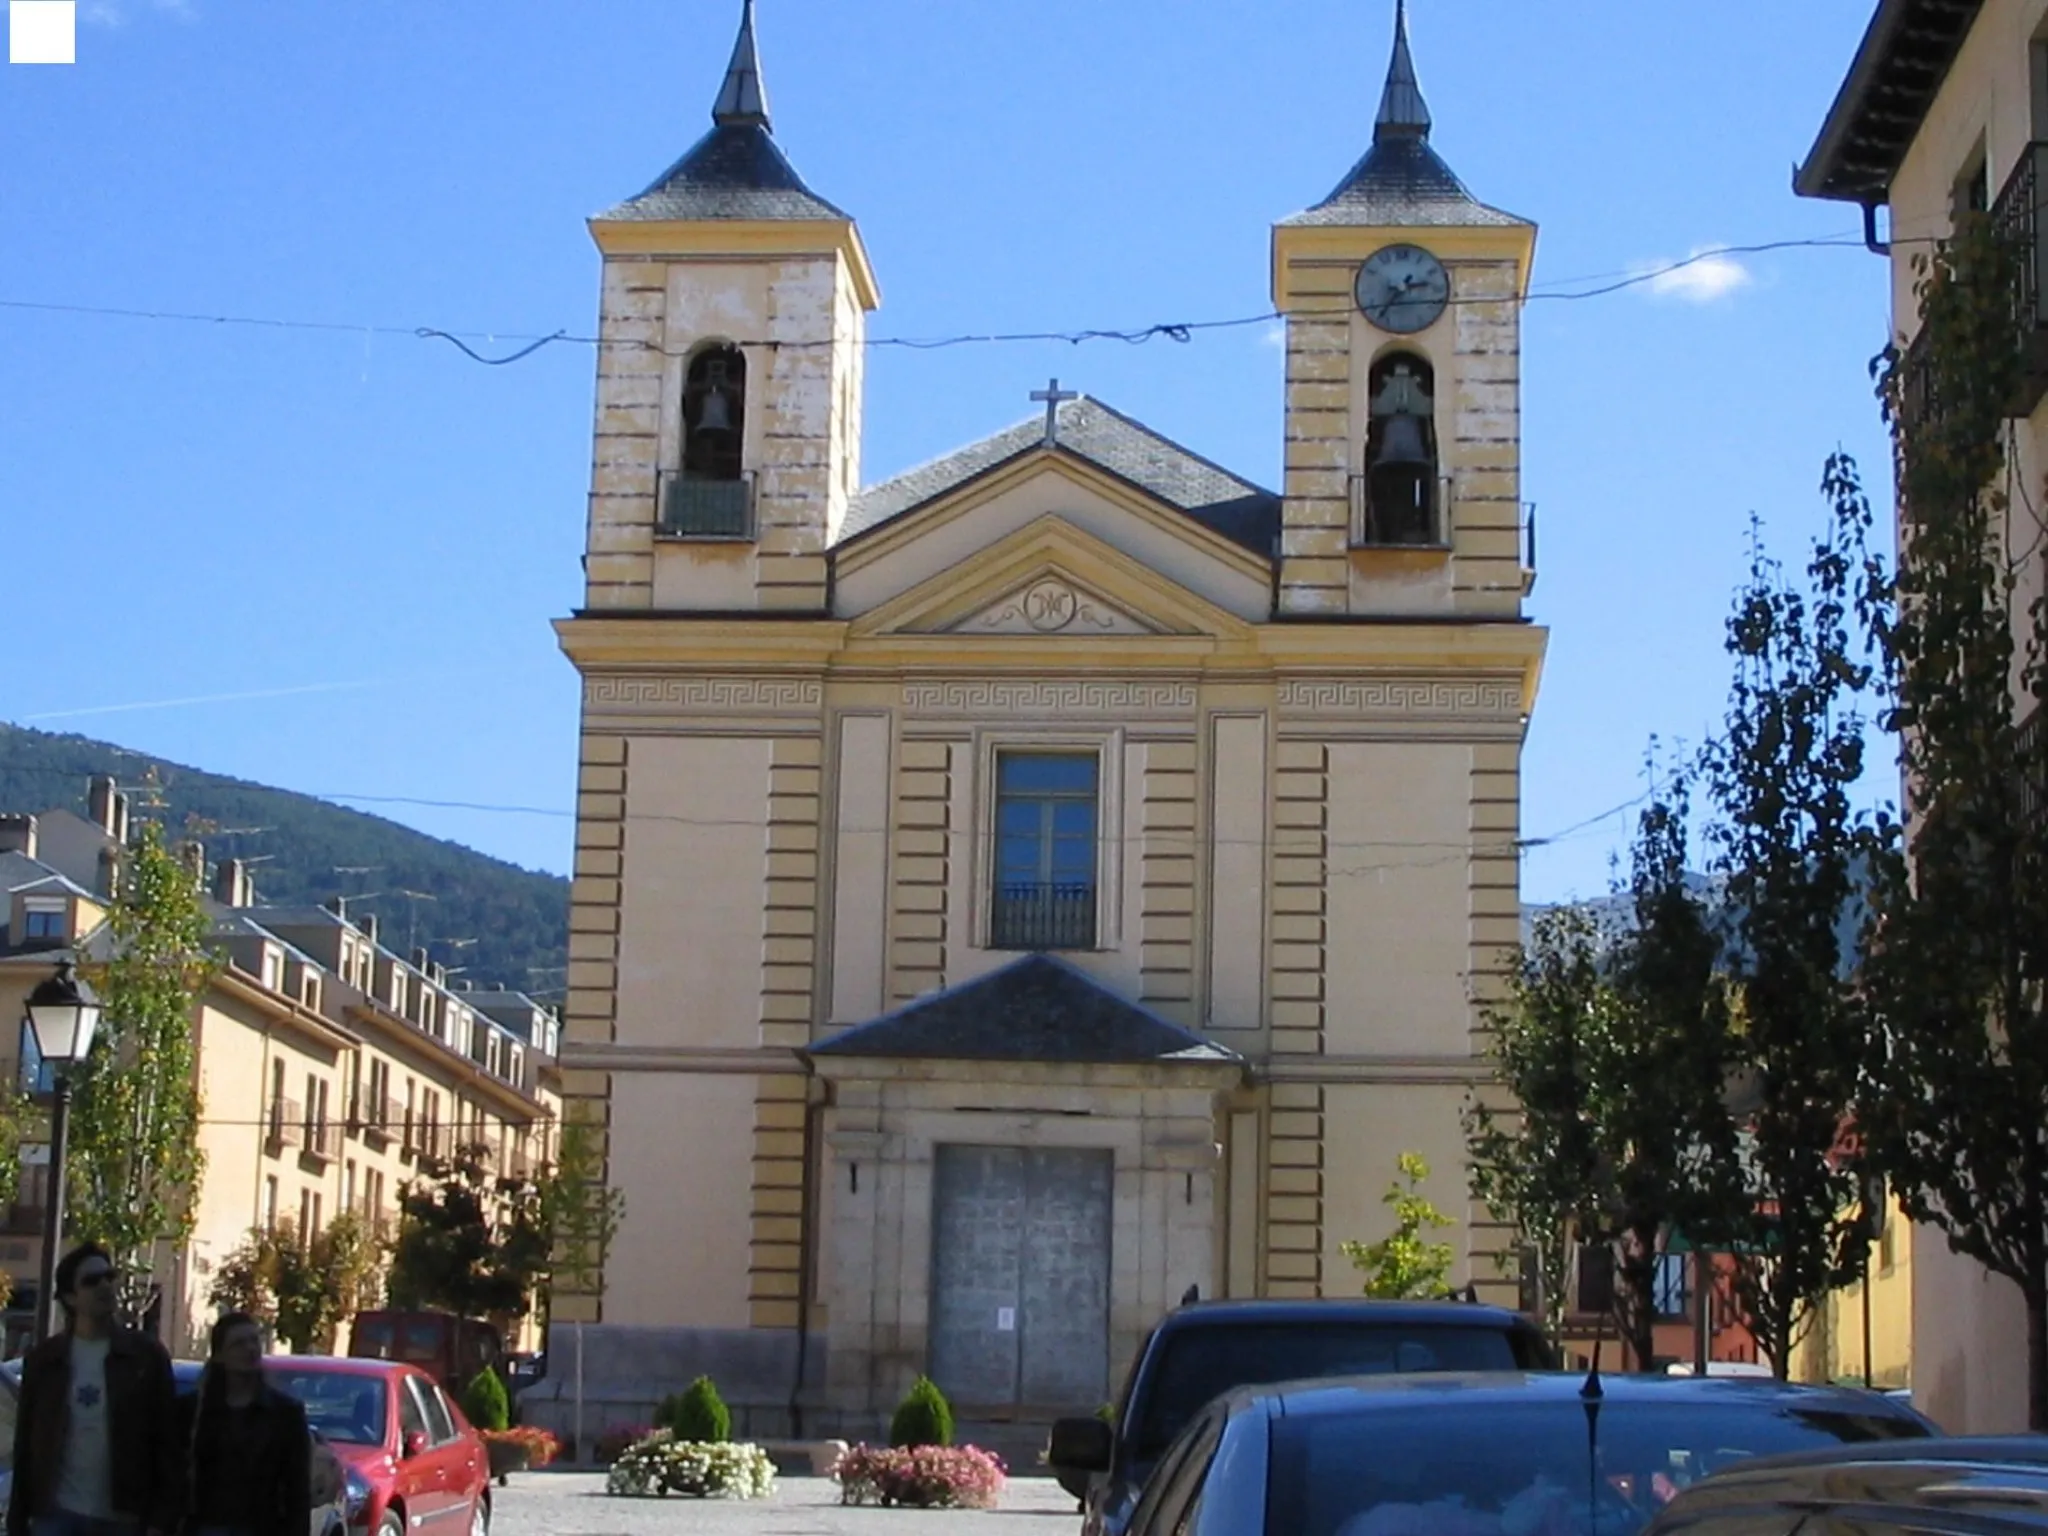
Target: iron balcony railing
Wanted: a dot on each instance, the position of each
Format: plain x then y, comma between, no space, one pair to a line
1042,915
1371,529
706,509
286,1126
323,1139
2032,750
2016,217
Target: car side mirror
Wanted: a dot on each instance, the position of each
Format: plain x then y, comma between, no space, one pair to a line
415,1442
1081,1445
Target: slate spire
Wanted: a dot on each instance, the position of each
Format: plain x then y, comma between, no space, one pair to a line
743,99
1403,113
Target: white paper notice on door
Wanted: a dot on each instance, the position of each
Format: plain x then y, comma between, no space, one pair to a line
1006,1319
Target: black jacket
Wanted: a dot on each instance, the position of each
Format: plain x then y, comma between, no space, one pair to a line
142,1429
272,1479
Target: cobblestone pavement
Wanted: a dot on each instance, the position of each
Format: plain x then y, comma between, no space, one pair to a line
575,1504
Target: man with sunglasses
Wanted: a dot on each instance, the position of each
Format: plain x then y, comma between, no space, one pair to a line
95,1436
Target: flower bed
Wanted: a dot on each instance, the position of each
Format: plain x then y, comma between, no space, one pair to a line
660,1464
518,1448
920,1477
614,1443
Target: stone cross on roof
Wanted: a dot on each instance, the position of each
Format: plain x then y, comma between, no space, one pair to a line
1052,395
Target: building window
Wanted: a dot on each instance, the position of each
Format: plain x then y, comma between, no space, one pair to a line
1670,1294
1047,815
45,924
277,1099
1395,499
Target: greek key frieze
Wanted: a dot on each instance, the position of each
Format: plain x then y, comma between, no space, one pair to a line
634,694
1401,697
1077,696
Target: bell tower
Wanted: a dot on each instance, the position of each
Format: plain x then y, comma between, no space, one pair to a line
729,370
1402,295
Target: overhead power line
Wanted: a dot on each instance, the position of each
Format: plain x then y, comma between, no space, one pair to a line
1171,330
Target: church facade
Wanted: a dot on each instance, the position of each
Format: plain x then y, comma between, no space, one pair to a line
1061,877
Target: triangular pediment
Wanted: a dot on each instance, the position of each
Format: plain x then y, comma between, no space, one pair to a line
1047,581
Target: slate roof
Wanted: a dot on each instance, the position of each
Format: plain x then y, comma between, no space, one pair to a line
1226,504
735,171
1036,1008
1401,181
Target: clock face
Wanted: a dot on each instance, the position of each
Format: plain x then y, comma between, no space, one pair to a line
1402,288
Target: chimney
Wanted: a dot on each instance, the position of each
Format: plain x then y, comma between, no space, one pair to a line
338,905
99,803
107,882
419,959
18,835
231,883
367,924
121,819
192,854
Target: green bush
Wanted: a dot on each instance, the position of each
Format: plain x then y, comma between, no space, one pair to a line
924,1417
486,1401
697,1415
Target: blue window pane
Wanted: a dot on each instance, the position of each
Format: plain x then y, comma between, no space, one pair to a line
1073,818
1036,773
1018,818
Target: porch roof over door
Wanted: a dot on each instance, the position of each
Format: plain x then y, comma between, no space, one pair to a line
1038,1008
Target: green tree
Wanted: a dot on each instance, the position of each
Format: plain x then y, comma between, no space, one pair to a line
696,1414
1795,854
579,1213
924,1417
245,1280
1404,1265
1664,1144
1957,1109
485,1401
304,1288
134,1163
1530,1142
468,1245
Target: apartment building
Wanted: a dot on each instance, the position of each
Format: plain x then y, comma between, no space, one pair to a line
1945,110
332,1070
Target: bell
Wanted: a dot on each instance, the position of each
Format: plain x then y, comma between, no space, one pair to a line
1401,445
715,415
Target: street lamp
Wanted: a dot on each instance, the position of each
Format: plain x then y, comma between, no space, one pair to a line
63,1015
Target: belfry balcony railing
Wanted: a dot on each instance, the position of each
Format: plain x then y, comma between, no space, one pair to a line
706,509
2016,216
1041,915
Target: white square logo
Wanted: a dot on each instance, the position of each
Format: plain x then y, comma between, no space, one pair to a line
42,31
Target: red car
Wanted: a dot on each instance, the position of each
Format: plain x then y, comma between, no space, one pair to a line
413,1461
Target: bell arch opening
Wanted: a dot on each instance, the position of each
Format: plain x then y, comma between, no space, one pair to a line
710,495
1395,501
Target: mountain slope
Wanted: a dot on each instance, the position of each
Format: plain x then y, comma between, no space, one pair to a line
489,922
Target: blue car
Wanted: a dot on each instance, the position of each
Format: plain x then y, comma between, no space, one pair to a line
1484,1455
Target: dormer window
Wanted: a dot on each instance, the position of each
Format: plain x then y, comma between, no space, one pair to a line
710,496
1395,500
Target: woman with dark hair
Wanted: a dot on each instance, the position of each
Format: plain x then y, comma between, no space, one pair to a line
251,1453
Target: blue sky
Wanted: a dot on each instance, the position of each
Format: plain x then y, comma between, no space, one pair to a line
368,534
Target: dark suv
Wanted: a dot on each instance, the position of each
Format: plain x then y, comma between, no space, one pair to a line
1206,1349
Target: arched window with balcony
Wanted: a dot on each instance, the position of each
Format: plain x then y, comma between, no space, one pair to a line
710,495
1396,497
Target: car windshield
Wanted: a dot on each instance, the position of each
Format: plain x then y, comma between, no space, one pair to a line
1452,1468
341,1405
1197,1365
